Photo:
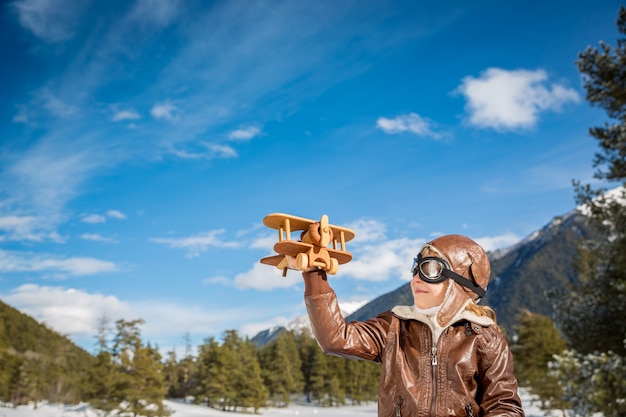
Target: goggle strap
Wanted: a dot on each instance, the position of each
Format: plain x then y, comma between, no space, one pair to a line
465,282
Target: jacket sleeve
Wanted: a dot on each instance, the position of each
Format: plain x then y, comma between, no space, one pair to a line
361,340
499,385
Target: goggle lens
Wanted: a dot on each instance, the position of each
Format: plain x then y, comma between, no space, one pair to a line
430,269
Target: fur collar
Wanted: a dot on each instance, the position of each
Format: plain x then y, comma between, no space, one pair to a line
410,313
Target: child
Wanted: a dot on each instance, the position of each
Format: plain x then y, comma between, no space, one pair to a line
442,356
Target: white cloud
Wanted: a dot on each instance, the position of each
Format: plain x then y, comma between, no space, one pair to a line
11,261
252,329
408,123
102,218
116,214
50,20
265,242
94,237
380,262
48,175
16,223
93,219
367,230
27,228
125,115
77,313
68,311
264,277
162,316
501,99
220,151
244,134
491,243
164,111
207,151
57,106
217,280
198,243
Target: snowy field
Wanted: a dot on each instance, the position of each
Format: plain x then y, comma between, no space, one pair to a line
189,410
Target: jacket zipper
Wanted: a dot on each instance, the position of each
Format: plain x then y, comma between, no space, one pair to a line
469,411
398,406
434,363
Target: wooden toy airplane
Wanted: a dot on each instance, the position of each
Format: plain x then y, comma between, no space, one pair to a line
311,250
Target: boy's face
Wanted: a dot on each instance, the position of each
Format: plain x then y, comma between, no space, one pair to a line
426,295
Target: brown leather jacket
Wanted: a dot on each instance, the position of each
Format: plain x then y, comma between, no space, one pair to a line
468,373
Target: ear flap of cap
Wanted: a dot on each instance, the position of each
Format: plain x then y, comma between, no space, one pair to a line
480,269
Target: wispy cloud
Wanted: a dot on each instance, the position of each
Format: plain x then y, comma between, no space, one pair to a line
52,21
506,100
47,175
491,243
93,219
116,214
382,260
125,115
102,218
408,123
197,243
244,134
158,12
67,310
164,111
77,313
205,150
12,261
27,228
57,106
368,230
262,277
94,237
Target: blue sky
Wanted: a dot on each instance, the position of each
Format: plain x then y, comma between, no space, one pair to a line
142,143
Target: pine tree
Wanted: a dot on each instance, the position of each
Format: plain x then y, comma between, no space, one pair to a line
139,386
187,369
213,375
362,380
251,391
598,304
171,369
537,342
101,392
592,316
282,371
149,387
318,375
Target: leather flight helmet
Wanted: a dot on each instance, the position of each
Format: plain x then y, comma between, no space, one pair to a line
466,257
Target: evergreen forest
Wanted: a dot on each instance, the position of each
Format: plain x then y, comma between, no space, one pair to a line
130,377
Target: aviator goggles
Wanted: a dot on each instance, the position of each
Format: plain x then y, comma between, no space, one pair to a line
433,270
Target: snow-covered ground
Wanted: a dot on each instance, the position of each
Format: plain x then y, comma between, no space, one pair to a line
189,410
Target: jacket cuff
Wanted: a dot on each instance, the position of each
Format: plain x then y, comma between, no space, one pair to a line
316,282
